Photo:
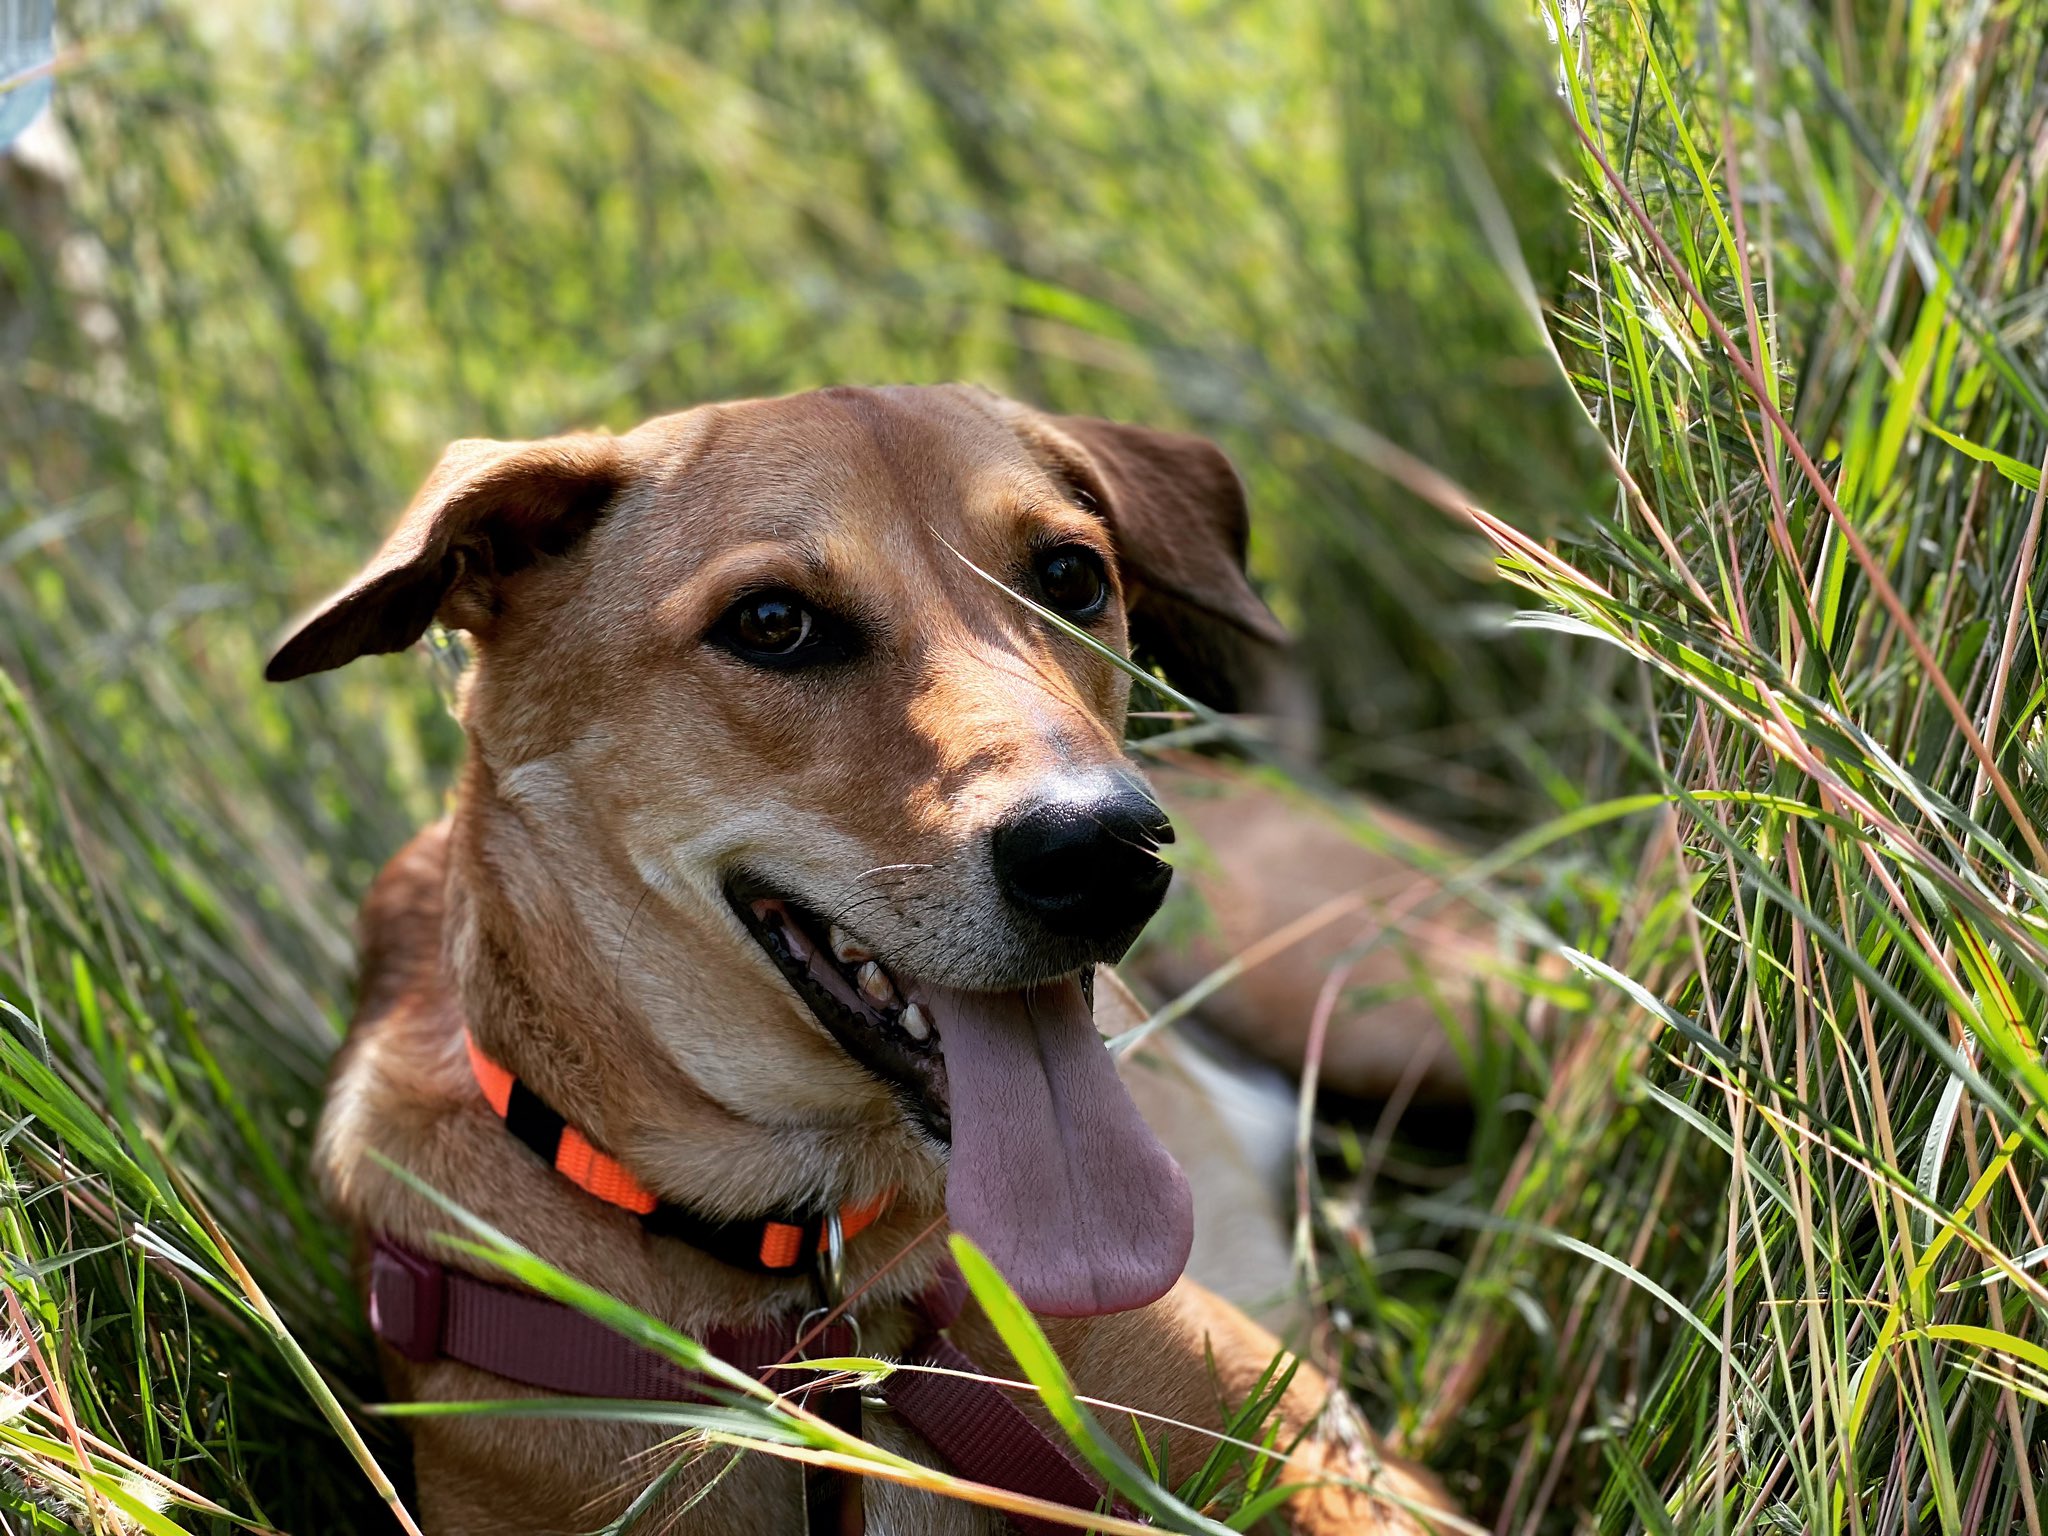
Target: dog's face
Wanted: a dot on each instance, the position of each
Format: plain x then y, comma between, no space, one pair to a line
765,668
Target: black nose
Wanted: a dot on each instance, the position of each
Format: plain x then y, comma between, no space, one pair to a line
1086,863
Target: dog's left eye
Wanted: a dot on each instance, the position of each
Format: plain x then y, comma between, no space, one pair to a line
1072,581
775,629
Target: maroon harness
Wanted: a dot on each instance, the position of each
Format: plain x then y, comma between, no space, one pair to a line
427,1311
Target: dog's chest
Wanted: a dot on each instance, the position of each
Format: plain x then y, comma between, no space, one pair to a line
481,1474
770,1502
892,1509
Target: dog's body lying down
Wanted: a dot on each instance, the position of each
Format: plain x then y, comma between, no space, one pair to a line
785,852
1267,863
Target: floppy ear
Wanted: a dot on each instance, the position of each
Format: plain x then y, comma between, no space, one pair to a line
488,509
1177,511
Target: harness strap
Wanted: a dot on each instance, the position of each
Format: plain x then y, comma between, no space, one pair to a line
986,1437
427,1311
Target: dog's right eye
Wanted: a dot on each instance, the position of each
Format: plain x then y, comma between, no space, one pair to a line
776,629
774,626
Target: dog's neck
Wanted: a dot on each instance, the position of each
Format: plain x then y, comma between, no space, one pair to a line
585,983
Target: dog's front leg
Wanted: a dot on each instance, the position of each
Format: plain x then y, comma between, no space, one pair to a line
1192,1358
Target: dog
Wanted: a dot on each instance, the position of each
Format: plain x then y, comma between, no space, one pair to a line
787,865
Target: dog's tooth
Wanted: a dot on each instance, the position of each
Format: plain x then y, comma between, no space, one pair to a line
848,948
876,986
914,1022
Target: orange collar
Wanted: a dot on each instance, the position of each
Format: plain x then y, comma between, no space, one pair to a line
767,1245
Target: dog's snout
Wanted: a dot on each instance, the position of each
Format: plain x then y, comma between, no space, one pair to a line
1085,862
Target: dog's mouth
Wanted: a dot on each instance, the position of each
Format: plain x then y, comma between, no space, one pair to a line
883,1023
1050,1168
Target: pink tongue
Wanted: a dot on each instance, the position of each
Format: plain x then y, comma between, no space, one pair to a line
1053,1172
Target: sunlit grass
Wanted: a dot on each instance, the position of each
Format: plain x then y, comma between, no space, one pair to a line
1646,428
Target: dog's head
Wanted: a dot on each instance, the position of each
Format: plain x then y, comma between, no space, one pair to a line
762,668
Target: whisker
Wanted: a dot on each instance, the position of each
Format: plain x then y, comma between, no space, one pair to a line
625,936
883,869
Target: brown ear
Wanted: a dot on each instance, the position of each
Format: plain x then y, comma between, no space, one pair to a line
1178,513
488,509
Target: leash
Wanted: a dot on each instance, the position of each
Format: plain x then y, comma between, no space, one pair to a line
427,1311
834,1503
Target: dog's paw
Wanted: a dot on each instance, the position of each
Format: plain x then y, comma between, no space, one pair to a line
1356,1487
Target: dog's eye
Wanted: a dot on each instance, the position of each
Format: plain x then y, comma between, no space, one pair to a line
1072,581
770,626
773,624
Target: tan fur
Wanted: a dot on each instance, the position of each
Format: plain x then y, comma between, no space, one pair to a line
570,913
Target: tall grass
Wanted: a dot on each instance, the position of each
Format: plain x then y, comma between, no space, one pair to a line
1709,338
1801,1226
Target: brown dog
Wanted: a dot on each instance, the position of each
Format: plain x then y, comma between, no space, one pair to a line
786,846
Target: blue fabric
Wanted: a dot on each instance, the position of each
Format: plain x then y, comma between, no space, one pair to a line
26,42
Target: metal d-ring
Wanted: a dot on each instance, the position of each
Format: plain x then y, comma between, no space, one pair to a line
829,1278
832,1273
818,1315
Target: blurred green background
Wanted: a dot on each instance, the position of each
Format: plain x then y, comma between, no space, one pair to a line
266,259
283,253
326,240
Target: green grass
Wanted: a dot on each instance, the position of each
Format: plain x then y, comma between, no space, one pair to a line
1645,418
